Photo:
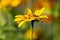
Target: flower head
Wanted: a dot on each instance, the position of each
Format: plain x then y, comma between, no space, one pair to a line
31,16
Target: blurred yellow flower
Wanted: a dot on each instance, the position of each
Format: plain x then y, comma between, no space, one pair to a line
20,19
35,34
31,35
15,3
12,3
28,34
4,3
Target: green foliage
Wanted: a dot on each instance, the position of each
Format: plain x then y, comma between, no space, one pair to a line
10,31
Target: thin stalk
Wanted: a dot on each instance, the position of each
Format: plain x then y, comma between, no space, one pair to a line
32,23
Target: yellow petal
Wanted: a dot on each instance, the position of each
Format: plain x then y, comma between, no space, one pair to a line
29,12
39,12
43,16
18,19
17,15
20,16
21,23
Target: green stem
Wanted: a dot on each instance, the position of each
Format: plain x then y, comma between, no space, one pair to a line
32,23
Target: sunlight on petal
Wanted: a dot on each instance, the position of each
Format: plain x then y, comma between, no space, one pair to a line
43,16
18,15
18,19
21,23
39,12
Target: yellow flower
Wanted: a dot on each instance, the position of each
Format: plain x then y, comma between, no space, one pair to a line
15,3
4,3
28,32
37,33
23,18
31,35
30,16
12,3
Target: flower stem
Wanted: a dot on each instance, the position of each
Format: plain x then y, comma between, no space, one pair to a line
32,23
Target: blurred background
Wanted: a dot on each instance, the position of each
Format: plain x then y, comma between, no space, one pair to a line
41,31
